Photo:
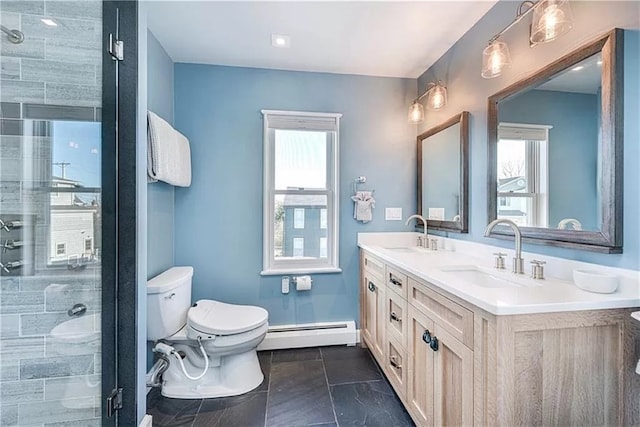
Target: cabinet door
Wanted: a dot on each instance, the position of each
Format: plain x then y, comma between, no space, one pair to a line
379,336
452,381
420,363
372,328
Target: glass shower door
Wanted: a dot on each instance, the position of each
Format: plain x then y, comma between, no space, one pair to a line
50,213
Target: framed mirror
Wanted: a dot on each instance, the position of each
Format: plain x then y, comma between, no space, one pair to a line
443,175
555,151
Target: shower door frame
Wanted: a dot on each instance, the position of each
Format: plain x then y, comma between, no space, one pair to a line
119,231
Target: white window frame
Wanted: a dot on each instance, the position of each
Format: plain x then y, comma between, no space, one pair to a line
297,120
536,139
298,218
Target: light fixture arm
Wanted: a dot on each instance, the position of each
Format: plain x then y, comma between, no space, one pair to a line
519,16
430,86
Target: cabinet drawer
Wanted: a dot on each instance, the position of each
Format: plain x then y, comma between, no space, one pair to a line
456,319
395,358
372,265
395,317
397,281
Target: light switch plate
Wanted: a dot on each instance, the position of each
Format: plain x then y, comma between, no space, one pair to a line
393,214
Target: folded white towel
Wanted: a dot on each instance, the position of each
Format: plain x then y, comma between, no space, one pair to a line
169,155
363,207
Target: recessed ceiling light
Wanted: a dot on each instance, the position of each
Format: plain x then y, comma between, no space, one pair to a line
49,22
279,40
578,68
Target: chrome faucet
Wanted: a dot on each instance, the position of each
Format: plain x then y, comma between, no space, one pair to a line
518,262
424,222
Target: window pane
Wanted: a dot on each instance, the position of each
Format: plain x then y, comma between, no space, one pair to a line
298,218
298,246
286,233
512,166
300,159
323,218
518,209
323,247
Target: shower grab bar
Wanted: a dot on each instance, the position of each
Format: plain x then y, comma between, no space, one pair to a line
14,36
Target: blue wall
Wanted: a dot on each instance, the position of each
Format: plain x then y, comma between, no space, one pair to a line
160,196
460,68
218,226
574,136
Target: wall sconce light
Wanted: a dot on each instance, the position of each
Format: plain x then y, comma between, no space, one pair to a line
436,95
551,19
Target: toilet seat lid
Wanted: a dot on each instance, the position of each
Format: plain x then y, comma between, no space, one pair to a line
219,318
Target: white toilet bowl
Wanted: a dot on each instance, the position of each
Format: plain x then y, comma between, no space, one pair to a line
229,335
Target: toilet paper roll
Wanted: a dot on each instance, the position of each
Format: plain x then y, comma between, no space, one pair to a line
303,283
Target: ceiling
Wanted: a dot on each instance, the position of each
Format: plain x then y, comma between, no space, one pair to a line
381,38
583,77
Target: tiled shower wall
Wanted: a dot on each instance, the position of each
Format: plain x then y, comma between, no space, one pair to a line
54,74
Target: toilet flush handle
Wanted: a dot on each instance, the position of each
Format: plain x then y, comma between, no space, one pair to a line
173,294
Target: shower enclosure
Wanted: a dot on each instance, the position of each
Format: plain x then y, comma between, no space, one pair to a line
59,246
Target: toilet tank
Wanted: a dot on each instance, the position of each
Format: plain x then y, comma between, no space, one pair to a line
168,300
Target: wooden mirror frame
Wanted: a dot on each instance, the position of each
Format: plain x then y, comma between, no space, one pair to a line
609,238
461,226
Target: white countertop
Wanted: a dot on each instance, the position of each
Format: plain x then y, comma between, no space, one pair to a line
525,297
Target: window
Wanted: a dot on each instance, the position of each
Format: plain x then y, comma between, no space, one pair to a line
522,174
300,180
298,218
298,247
323,219
61,248
323,247
88,245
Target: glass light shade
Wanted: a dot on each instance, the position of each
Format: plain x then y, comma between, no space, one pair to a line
551,19
437,97
416,113
495,58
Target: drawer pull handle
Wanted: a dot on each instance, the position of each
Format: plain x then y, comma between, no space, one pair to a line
395,281
393,361
394,316
426,336
372,287
434,344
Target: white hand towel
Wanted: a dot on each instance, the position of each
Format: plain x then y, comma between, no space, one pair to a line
363,206
169,155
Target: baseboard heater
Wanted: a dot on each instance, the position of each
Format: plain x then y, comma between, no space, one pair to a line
310,335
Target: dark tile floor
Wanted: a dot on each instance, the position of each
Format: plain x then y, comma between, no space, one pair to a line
327,386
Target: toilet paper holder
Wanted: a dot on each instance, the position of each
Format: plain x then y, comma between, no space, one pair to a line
294,279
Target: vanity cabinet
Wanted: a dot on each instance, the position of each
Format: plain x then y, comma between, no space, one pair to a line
567,368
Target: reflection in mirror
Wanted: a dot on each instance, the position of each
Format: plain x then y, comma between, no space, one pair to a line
547,154
443,174
555,150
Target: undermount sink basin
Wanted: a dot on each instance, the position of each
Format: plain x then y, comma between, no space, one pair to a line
479,276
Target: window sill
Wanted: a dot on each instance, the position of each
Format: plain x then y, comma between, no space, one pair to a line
293,271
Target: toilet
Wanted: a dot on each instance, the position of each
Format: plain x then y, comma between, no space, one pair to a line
210,345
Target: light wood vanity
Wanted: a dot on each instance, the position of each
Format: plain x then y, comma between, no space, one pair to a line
452,363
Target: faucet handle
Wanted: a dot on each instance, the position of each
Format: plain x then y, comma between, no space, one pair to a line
537,269
499,264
